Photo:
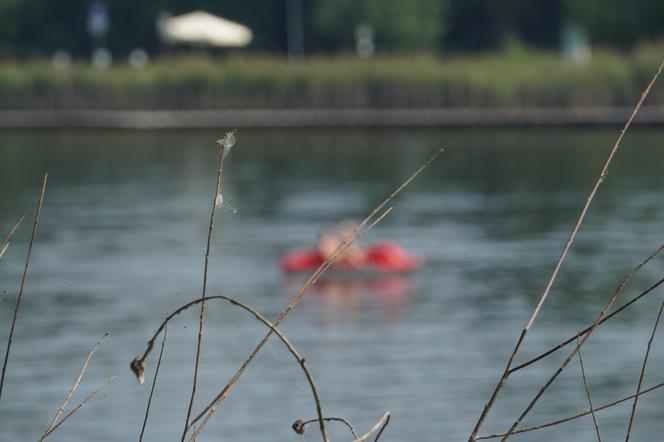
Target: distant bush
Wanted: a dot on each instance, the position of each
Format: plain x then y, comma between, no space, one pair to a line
420,81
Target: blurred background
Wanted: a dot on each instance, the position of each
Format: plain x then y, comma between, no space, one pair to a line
336,103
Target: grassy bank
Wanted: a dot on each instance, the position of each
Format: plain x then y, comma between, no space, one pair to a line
520,79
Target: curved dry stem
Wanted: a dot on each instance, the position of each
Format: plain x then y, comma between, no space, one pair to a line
140,362
24,278
5,242
590,400
94,393
574,416
226,144
621,286
643,371
378,426
370,220
577,226
73,388
154,383
299,425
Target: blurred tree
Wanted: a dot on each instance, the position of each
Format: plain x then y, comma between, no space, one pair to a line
618,22
398,24
488,24
39,27
32,27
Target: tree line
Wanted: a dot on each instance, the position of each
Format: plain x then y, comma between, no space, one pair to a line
40,27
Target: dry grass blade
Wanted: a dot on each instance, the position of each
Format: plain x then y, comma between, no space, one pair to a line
5,242
211,408
574,416
89,397
226,144
140,362
73,388
643,371
154,382
380,425
602,176
23,280
590,400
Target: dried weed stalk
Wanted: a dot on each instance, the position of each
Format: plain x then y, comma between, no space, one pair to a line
368,222
23,280
226,144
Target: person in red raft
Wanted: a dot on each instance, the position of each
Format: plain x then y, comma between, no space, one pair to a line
354,257
381,257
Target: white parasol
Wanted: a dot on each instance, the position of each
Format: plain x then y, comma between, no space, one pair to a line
200,27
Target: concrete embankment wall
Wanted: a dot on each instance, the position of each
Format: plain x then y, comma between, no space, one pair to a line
190,119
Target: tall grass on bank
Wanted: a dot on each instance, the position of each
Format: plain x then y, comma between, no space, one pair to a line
526,79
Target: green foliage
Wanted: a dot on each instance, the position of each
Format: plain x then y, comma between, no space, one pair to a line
621,23
398,24
39,27
523,80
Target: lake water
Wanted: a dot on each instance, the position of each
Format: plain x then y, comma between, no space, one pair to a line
122,239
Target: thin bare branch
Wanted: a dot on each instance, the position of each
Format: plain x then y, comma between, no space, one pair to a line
380,425
621,286
73,388
5,242
574,416
602,176
590,400
23,280
154,383
89,397
211,408
226,144
643,371
140,362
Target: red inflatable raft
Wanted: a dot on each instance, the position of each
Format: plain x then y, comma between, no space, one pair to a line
384,257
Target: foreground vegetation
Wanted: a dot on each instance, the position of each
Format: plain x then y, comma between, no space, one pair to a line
515,78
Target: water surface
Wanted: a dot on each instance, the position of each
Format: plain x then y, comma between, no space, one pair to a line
122,239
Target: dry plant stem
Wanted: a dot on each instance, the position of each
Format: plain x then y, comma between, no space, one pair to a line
574,416
201,320
89,397
563,255
154,383
212,407
601,315
643,371
380,432
73,388
590,400
5,241
586,330
334,419
23,279
380,425
300,360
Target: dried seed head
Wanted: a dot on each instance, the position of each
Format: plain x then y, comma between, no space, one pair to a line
228,141
298,426
138,367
